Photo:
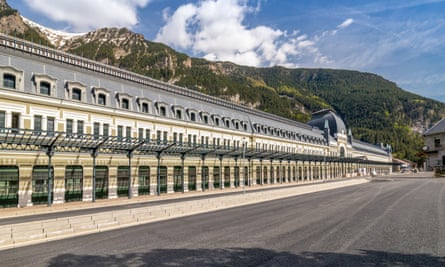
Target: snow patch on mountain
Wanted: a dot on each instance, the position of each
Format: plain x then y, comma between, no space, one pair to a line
56,37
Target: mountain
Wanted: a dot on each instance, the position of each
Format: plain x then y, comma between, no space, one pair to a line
376,110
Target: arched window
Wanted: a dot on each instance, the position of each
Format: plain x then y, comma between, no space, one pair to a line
342,152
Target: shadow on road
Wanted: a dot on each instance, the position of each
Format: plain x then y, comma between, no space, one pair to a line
248,257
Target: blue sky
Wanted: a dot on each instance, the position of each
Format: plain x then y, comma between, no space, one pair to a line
403,41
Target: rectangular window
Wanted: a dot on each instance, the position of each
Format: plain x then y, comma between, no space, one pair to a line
50,125
194,140
128,132
175,138
69,127
158,137
437,142
147,135
15,124
180,138
141,134
9,81
45,88
189,140
102,99
37,123
106,130
145,107
165,137
120,132
96,130
2,119
76,94
79,127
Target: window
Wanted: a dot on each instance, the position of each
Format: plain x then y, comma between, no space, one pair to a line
217,121
437,142
50,125
128,132
141,134
162,111
15,124
192,116
227,123
96,130
180,138
144,107
106,130
158,137
69,127
101,96
45,88
175,138
147,135
9,81
2,119
120,132
205,118
37,123
178,114
102,99
80,127
165,137
125,104
76,94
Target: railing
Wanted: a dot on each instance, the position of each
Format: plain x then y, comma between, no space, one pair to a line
60,56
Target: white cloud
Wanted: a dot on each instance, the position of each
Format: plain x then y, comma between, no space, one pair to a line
215,29
85,15
345,23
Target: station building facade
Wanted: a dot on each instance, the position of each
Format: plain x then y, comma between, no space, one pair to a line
72,129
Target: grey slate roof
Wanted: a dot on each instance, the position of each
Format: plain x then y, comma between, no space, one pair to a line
437,128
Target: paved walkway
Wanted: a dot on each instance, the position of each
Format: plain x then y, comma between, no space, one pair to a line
31,225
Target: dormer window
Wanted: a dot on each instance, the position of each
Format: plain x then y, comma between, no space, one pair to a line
178,114
144,107
124,101
9,81
45,88
217,121
76,94
102,99
125,104
193,116
75,91
101,96
45,84
144,104
12,78
227,122
162,111
204,117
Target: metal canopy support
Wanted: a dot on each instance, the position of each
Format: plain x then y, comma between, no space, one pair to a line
203,158
94,154
221,185
50,154
261,172
158,157
182,171
129,156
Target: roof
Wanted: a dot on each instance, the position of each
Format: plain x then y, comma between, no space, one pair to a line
336,124
437,128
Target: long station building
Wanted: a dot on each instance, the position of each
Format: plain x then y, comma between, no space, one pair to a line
73,129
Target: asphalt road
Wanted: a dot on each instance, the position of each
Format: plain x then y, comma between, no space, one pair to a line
385,223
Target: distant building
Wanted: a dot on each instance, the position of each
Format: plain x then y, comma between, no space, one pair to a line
72,129
435,145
